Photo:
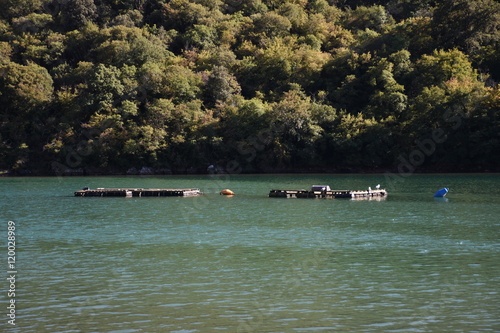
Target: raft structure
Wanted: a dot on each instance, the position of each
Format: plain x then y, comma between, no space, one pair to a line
324,191
137,192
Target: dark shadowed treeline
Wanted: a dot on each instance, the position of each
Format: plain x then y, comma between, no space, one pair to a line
100,86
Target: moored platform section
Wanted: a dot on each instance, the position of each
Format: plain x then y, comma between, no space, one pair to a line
327,194
137,192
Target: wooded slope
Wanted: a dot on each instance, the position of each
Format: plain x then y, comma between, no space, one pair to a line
98,86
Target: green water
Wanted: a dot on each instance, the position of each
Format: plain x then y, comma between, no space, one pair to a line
249,263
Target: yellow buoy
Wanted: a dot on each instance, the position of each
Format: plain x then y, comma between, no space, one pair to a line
227,192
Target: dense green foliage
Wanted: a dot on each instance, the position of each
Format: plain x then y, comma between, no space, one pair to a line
249,85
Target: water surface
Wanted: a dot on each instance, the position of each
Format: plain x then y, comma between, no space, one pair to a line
249,263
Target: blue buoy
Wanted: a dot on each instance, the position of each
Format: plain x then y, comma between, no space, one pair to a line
441,193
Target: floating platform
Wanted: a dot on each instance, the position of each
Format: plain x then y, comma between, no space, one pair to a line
137,192
327,194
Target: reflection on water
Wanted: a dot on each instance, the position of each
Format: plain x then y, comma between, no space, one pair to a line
249,263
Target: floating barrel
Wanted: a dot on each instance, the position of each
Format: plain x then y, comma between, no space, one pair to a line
441,193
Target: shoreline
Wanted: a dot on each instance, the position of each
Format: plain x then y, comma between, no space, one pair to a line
200,171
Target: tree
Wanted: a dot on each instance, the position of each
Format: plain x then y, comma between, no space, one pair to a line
404,9
213,57
183,14
248,7
467,25
484,138
46,51
414,34
130,19
32,23
358,141
25,93
374,18
450,97
5,53
24,87
296,14
105,87
242,120
345,80
221,85
17,8
294,129
283,62
441,66
77,13
201,36
271,25
181,84
388,97
120,45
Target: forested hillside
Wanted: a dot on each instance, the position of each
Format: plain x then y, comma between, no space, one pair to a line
116,86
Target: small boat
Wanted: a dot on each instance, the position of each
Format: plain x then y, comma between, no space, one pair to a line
226,192
441,193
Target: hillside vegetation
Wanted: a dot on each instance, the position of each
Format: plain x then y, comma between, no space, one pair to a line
110,86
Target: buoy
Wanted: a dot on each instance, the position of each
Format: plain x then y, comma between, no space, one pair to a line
441,193
227,192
